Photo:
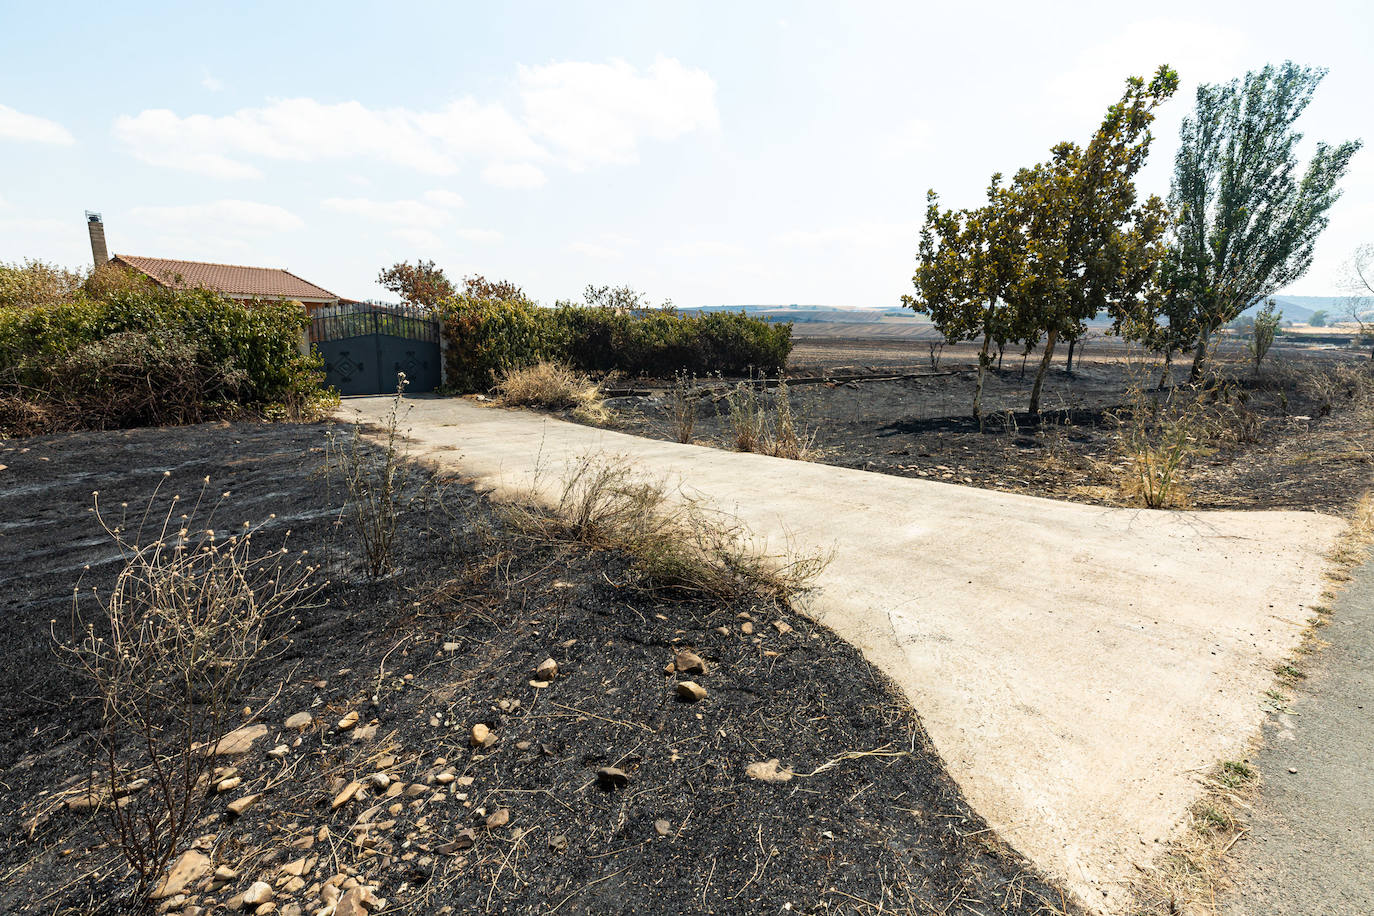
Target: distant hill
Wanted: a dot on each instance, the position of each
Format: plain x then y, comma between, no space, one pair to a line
1301,308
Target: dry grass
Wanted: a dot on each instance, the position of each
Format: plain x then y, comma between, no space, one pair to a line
553,386
673,540
781,433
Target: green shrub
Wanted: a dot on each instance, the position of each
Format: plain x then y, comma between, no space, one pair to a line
487,338
151,357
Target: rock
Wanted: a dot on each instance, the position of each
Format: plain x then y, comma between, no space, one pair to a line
224,785
466,781
539,685
380,781
353,902
189,868
547,670
279,752
747,628
85,802
299,720
612,777
298,867
782,627
240,805
239,741
364,733
452,646
498,818
768,771
445,777
558,843
662,827
294,885
349,720
688,662
463,840
258,892
691,691
130,788
266,909
482,736
348,793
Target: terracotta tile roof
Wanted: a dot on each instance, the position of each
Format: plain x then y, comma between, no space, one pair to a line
231,279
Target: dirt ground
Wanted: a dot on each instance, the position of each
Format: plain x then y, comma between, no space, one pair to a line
870,822
1278,441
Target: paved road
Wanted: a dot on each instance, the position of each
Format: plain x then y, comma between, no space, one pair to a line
1076,666
1310,849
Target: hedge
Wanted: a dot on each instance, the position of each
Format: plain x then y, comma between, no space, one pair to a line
151,357
487,337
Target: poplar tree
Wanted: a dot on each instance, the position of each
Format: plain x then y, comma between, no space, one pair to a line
1248,217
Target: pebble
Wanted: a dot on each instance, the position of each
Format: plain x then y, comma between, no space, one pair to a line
225,785
482,736
498,818
299,720
662,827
349,792
279,752
691,691
547,670
349,720
688,662
258,892
240,805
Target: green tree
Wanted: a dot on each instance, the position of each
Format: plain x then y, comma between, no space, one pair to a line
1247,220
1318,319
968,271
1091,245
421,283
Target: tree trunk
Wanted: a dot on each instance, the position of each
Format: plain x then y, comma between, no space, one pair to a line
983,362
1167,377
1001,349
1198,359
1044,367
1068,365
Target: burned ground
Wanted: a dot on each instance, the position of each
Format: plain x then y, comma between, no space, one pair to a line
869,820
1287,439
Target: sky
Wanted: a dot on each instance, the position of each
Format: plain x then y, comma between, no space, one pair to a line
707,153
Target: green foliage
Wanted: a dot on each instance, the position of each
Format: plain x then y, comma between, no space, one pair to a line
1318,319
37,283
1091,245
149,357
1247,218
1066,240
489,337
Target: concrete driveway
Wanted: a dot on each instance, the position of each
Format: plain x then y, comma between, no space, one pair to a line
1077,667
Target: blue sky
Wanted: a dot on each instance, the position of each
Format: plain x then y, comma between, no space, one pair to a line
703,152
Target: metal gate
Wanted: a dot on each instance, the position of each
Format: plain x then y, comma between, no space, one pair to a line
364,345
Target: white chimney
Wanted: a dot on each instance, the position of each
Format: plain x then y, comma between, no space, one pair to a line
96,227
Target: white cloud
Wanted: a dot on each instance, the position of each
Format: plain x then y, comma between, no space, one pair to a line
865,235
410,213
1200,51
704,249
574,115
593,250
479,235
221,215
420,238
442,198
212,83
15,125
913,137
519,176
596,113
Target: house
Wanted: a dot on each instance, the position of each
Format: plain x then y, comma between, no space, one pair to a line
233,281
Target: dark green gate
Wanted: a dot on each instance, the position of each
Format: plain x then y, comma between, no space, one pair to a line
365,345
